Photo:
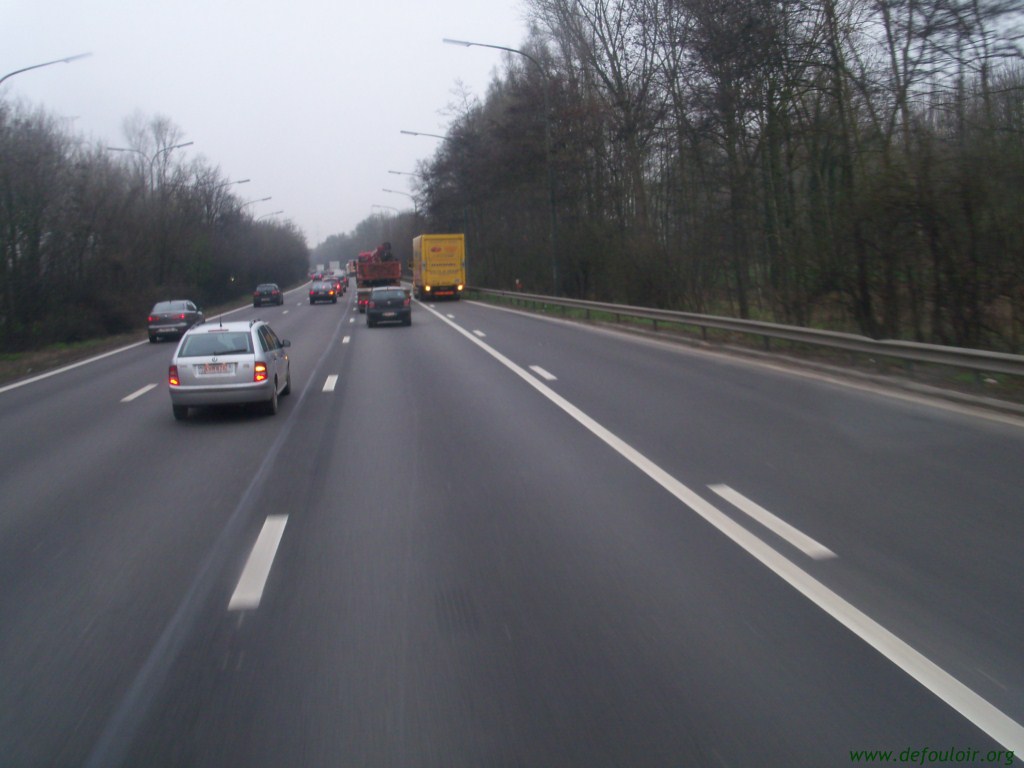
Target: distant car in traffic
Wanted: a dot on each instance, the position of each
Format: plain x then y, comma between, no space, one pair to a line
322,290
338,283
388,304
267,293
227,364
172,318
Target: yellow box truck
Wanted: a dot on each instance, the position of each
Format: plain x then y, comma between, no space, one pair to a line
438,266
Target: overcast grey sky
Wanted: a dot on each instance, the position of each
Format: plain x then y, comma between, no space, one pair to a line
304,97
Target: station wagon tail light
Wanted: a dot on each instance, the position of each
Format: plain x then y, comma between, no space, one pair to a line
172,376
260,372
407,302
370,304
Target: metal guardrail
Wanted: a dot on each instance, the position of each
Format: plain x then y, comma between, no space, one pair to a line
906,352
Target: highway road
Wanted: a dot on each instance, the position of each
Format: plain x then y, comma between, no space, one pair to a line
493,539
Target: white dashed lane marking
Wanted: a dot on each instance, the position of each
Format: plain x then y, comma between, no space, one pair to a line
543,374
138,393
249,591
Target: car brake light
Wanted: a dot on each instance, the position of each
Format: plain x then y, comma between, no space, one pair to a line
260,372
310,292
150,319
181,316
406,302
172,376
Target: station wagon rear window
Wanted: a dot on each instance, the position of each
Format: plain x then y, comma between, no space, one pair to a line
208,344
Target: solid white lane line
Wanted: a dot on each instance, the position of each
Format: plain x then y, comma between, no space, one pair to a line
330,384
286,312
249,590
481,334
543,374
994,722
138,393
797,538
346,340
351,319
450,317
79,364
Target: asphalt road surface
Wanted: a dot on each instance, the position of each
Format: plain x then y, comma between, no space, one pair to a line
492,539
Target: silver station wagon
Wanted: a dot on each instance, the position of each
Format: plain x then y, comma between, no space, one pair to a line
227,364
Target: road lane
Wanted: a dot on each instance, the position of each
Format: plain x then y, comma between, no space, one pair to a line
560,610
922,500
543,604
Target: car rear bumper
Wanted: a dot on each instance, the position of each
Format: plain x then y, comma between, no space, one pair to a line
168,330
222,395
389,315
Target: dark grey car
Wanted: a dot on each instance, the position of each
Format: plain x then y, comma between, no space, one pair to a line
388,304
173,318
267,293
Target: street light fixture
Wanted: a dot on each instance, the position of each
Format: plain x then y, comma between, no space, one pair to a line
275,213
67,60
547,143
155,155
229,183
415,208
403,173
432,135
251,202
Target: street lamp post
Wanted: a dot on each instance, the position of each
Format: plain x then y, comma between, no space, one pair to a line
67,60
415,208
419,133
553,225
229,183
151,159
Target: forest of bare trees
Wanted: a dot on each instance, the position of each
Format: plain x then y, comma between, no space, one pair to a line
850,164
90,237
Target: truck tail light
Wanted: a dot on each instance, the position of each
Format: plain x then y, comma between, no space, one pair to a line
259,372
172,376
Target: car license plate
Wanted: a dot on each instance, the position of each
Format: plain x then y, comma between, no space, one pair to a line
389,314
214,369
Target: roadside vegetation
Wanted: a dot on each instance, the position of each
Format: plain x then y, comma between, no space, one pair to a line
847,164
92,237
